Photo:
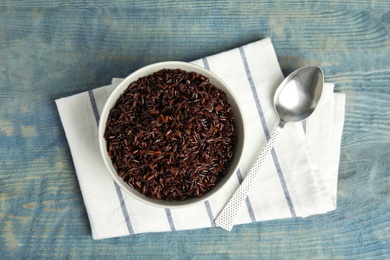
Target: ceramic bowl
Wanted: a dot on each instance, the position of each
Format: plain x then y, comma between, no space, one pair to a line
216,81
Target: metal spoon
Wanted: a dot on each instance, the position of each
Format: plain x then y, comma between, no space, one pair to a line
295,100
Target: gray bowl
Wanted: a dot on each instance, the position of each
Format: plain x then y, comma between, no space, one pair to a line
150,69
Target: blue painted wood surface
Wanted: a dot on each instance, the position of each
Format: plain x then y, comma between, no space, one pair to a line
50,49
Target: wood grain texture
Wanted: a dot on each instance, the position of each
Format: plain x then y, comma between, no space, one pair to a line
51,49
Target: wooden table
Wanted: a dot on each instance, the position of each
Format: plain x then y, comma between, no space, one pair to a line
50,49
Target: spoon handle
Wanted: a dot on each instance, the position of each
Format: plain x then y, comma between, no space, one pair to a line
227,216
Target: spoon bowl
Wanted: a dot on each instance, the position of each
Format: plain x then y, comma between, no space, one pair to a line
295,100
298,95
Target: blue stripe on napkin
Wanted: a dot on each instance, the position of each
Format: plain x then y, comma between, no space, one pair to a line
266,131
210,213
117,188
238,173
170,219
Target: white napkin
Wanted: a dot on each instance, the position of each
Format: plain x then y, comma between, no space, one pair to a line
298,180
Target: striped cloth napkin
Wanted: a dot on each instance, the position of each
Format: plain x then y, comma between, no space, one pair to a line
298,180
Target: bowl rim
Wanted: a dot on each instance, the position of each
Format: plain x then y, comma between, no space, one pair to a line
147,70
